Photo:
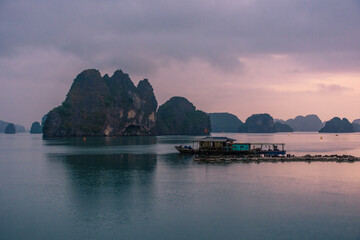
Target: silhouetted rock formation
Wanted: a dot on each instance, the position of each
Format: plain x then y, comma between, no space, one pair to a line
224,122
357,121
356,127
279,120
337,125
18,128
258,123
282,127
308,123
10,129
104,106
178,116
36,128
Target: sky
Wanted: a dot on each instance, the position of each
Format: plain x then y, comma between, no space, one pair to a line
282,57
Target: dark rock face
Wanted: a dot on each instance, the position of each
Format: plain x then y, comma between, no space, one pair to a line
258,123
224,122
337,125
179,117
36,128
282,127
104,106
308,123
10,129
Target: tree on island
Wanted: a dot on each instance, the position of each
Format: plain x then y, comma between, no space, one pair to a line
10,129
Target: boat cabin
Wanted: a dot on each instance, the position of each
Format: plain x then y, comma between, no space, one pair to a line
215,143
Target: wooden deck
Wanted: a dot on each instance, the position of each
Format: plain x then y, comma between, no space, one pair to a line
292,158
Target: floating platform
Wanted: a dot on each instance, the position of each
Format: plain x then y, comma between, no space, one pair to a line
274,159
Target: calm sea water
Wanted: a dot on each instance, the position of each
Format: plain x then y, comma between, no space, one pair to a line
140,188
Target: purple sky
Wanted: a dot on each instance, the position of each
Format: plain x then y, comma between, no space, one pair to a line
286,58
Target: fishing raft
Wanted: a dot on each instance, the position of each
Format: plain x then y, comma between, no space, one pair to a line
223,149
275,159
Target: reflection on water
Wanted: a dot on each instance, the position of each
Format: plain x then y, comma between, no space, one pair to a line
139,187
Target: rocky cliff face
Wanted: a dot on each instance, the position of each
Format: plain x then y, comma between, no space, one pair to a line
178,116
337,125
103,106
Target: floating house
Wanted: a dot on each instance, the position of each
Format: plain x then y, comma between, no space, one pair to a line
215,143
224,145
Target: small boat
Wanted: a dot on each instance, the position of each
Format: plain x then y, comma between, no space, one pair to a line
228,146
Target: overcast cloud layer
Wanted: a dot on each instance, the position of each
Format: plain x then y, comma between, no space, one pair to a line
282,57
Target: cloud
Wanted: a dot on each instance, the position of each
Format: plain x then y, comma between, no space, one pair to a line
218,32
332,88
243,44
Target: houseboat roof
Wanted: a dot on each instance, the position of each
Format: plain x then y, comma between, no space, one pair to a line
265,143
217,139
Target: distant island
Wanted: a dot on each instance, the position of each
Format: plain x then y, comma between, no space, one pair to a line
114,106
337,125
36,128
224,122
263,123
18,128
179,116
308,123
10,129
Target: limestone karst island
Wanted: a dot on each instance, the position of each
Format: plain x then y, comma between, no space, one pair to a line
113,106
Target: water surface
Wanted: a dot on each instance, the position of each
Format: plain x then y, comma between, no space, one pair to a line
140,188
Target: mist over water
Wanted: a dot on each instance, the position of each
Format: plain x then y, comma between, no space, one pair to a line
140,187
